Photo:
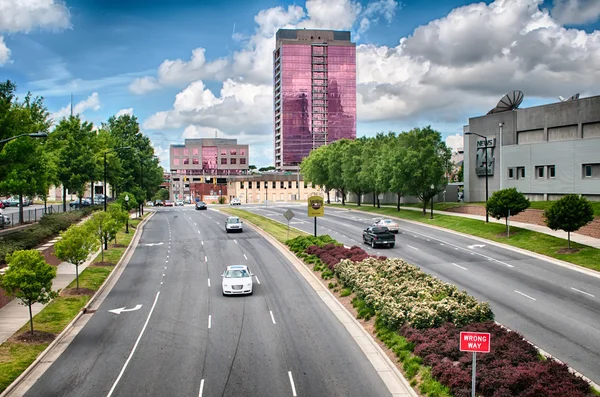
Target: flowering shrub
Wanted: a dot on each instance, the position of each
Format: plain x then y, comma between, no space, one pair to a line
331,254
402,294
512,368
299,244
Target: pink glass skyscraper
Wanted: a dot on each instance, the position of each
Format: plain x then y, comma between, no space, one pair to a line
314,92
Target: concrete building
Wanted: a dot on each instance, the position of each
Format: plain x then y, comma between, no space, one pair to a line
314,92
544,151
205,161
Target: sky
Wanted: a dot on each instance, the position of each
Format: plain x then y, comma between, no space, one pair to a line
193,68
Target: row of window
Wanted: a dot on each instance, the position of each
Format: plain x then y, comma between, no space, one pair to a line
196,161
549,171
177,152
273,184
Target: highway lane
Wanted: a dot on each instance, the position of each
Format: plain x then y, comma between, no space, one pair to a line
187,339
555,307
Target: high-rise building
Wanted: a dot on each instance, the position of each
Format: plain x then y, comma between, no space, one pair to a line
314,92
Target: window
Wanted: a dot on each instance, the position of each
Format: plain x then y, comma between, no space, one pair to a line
232,161
242,161
296,184
242,152
175,161
176,152
520,172
186,152
289,184
176,179
281,184
590,170
223,152
195,161
250,186
274,184
196,179
539,172
186,160
195,151
551,171
241,184
232,152
223,160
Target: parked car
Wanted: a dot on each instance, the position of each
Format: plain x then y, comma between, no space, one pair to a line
233,224
179,203
149,204
237,280
169,203
235,201
158,203
1,204
188,201
201,205
390,224
76,204
378,235
11,202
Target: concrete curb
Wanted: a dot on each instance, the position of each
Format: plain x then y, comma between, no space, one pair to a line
25,374
532,254
390,374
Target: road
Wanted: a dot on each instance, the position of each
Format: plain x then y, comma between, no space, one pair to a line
189,340
555,307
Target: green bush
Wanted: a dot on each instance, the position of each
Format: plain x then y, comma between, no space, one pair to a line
48,226
346,292
301,243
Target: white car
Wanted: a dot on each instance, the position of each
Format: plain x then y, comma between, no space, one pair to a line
235,201
237,280
233,224
390,224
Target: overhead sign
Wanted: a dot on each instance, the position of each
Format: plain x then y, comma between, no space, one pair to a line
316,206
477,342
289,214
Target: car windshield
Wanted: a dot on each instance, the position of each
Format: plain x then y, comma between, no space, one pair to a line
233,220
236,273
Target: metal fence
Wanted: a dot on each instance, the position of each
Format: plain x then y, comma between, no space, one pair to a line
33,215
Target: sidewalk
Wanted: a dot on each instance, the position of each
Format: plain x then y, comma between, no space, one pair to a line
577,238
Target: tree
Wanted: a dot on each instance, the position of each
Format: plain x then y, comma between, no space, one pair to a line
392,165
161,194
461,172
336,151
506,202
119,213
103,227
75,246
570,213
351,165
314,168
264,169
29,278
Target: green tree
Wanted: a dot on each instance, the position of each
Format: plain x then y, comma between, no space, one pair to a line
392,166
336,151
506,202
351,166
370,160
29,278
75,246
570,213
314,168
264,169
102,226
161,194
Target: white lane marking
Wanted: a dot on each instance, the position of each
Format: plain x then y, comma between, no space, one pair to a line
415,236
527,296
218,223
195,224
235,241
292,383
165,267
202,241
198,231
504,263
257,280
201,388
245,257
167,261
209,282
464,268
205,258
163,274
210,217
209,321
167,256
583,292
427,239
272,317
161,283
410,246
112,389
168,251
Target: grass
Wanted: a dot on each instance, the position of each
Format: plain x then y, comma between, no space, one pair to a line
540,243
16,357
275,229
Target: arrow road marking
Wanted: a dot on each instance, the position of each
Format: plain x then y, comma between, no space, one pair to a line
476,246
122,309
152,244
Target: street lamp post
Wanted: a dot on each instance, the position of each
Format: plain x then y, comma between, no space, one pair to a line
105,153
432,193
127,209
32,135
487,215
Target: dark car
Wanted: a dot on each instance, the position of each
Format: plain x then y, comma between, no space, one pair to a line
76,204
378,235
158,203
201,205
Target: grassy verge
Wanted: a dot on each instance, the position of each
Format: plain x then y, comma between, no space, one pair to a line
275,229
540,243
15,357
418,374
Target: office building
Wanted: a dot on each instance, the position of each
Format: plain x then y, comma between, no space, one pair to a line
314,92
544,151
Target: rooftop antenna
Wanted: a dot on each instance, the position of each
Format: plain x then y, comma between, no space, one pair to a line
572,98
510,101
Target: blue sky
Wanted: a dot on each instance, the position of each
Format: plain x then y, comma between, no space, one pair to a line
450,66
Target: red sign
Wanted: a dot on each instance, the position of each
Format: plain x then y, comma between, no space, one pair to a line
478,342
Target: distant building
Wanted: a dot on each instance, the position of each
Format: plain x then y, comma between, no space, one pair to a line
544,151
314,92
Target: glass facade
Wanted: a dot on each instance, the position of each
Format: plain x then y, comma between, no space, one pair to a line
314,98
209,157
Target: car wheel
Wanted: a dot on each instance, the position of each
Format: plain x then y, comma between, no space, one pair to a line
372,243
364,240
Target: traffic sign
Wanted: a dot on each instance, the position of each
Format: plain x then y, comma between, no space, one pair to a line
477,342
289,214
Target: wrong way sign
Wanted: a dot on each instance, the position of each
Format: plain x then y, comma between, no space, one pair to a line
477,342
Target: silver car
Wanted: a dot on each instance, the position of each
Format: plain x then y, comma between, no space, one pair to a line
233,224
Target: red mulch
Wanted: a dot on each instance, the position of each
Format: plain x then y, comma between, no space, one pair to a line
49,256
77,292
35,338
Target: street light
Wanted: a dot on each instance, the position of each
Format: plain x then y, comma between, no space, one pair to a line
105,153
32,135
432,193
127,209
487,215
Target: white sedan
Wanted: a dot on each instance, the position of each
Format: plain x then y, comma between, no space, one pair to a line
390,224
237,280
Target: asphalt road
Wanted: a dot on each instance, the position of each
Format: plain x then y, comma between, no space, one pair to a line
556,308
189,340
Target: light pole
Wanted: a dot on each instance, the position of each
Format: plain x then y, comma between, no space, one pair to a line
32,135
487,215
105,153
432,193
127,209
501,125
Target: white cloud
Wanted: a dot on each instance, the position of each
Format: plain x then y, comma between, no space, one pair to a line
143,85
122,112
455,142
23,16
576,11
4,52
92,102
